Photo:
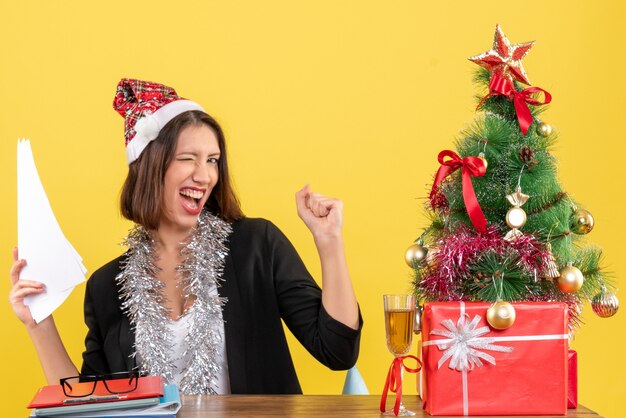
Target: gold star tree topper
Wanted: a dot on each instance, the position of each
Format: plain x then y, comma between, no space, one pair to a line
505,59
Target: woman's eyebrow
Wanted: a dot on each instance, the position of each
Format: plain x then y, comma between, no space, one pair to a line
195,153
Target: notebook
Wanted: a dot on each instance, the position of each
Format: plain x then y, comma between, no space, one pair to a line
49,396
55,411
164,407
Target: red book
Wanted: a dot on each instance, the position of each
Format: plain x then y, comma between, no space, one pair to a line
49,396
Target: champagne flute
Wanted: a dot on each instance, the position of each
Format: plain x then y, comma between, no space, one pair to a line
399,318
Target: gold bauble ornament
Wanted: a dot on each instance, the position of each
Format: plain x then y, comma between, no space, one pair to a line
516,218
482,158
582,222
415,254
605,304
570,280
544,129
501,315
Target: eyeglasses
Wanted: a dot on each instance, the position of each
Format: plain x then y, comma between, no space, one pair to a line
114,383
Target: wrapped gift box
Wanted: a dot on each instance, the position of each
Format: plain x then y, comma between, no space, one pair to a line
529,374
572,379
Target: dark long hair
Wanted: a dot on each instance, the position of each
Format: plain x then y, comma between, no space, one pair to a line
142,193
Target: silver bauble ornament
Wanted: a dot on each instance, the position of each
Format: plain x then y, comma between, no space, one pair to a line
605,304
501,315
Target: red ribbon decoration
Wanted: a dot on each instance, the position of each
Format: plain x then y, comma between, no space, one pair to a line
394,381
470,166
503,86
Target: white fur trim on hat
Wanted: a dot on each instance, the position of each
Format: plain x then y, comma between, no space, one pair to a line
147,127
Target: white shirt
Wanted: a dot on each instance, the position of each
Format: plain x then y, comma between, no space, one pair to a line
178,329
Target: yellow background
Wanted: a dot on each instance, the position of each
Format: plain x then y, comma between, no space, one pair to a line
355,97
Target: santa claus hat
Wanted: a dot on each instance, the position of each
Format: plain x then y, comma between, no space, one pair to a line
146,108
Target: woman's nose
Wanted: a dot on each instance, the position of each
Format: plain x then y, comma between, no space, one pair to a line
203,173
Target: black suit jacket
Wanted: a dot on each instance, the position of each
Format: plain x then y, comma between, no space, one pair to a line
265,281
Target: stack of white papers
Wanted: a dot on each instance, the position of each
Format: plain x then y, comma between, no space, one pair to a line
50,258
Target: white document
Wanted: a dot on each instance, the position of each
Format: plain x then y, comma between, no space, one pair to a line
50,258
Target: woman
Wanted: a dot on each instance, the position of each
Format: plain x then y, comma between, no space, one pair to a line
199,296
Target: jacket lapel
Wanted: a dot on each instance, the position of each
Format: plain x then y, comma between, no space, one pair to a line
127,342
234,327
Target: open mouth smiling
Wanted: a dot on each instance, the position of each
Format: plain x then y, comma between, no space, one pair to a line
192,197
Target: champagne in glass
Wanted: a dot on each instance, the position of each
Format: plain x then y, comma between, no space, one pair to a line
399,323
399,319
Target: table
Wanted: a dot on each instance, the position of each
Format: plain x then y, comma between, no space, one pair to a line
309,406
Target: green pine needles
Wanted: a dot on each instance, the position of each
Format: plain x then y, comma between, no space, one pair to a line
500,268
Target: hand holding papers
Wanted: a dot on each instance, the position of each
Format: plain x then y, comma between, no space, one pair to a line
50,257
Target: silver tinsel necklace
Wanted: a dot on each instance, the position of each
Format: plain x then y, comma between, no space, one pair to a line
143,302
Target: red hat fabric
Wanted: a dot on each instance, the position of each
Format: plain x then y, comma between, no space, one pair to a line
146,108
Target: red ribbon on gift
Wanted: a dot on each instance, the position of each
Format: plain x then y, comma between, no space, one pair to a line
394,381
503,86
470,166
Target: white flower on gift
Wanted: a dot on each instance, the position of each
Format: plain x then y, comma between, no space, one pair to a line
147,127
464,342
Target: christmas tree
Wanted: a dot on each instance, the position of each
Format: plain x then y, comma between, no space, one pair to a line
502,227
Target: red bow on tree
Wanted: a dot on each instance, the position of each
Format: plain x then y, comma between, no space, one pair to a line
500,85
394,381
470,166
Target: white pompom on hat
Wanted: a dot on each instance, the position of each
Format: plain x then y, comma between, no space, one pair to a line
146,108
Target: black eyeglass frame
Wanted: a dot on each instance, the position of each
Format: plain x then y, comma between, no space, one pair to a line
87,378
